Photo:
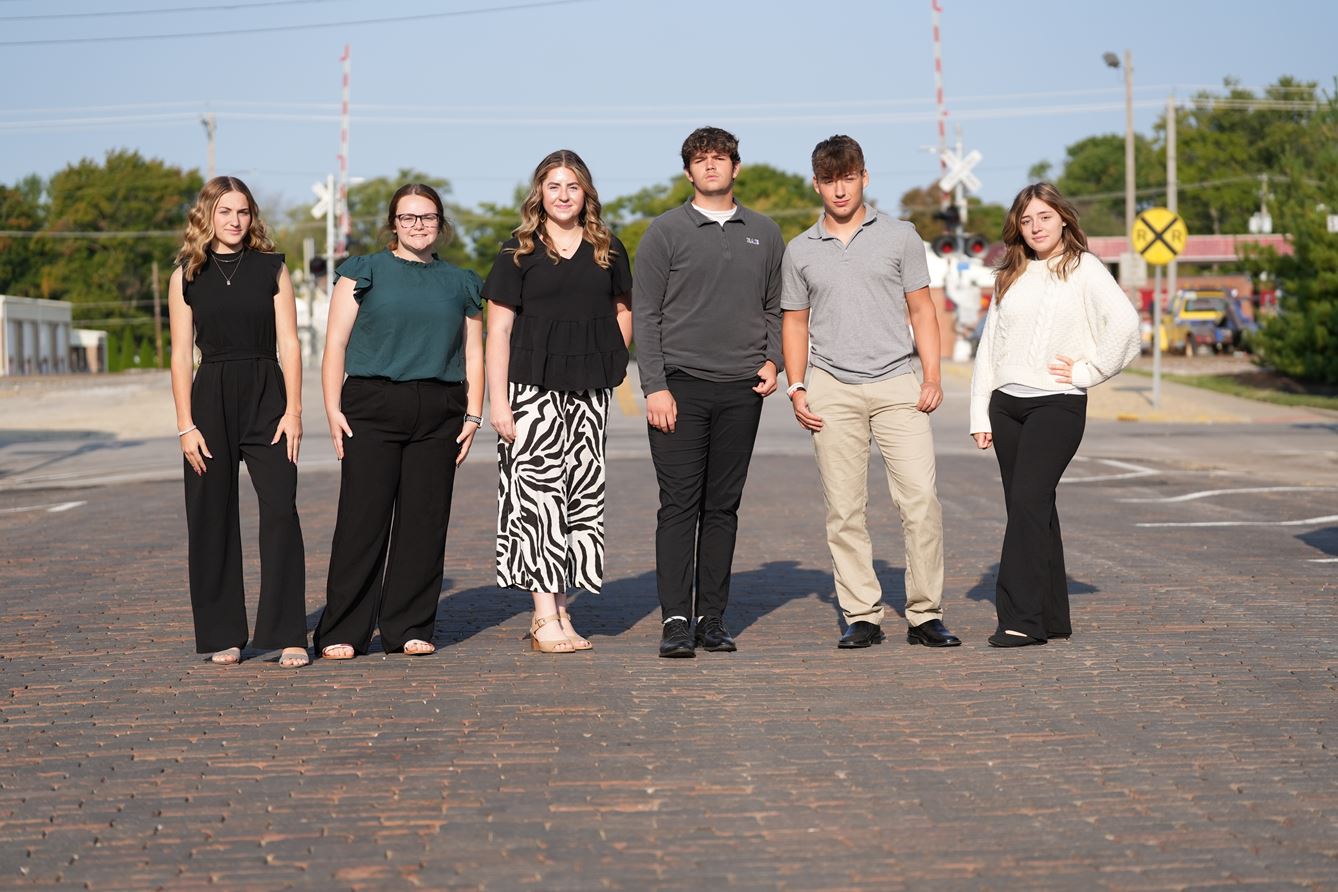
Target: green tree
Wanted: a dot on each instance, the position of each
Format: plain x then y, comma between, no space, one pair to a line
110,277
919,205
1093,179
1302,340
22,258
1225,149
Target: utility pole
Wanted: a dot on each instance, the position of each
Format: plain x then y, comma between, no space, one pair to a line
1128,142
210,123
157,316
1172,183
1113,61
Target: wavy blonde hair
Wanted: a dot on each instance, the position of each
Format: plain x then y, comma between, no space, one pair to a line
533,217
200,225
1072,239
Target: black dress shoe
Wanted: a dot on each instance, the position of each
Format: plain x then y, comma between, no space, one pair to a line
1003,639
932,634
676,639
861,633
713,636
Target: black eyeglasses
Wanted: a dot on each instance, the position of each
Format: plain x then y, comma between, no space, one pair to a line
408,220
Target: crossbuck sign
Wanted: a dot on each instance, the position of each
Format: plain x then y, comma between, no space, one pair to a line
959,170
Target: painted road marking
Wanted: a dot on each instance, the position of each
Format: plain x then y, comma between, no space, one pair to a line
1131,471
1209,493
1333,560
50,509
1309,521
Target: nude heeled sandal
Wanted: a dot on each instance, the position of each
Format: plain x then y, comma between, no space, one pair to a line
578,641
563,646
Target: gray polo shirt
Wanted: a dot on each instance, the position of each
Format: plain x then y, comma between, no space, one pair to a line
856,296
706,296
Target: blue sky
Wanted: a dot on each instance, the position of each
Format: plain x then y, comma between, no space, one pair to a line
478,98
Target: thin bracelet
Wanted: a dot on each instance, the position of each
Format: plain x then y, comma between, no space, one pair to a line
193,427
294,414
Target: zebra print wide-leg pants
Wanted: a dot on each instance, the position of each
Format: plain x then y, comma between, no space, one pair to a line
550,499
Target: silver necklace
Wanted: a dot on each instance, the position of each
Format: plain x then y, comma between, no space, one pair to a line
227,279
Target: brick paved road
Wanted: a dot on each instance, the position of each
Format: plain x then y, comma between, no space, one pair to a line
1182,739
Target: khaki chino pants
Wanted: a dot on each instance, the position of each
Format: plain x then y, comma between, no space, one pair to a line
885,412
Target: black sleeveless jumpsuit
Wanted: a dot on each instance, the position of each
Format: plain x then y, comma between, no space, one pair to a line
237,400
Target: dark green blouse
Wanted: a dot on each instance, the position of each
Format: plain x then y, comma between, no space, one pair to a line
411,317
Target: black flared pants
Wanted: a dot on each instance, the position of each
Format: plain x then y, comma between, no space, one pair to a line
237,405
701,467
394,506
1035,438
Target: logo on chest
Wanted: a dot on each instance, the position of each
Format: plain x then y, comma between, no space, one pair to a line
752,241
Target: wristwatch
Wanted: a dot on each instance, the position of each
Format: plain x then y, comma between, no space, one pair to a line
477,419
798,385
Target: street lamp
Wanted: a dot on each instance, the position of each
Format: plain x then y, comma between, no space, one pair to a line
1113,61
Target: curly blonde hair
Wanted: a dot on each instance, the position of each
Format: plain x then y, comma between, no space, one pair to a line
200,225
533,217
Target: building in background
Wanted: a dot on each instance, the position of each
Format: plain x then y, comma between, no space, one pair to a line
36,338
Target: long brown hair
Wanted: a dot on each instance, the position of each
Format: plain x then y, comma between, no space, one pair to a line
533,216
1073,241
200,225
445,231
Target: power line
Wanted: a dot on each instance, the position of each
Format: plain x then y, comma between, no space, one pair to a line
263,29
216,7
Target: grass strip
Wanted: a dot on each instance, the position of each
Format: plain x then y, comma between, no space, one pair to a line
1233,386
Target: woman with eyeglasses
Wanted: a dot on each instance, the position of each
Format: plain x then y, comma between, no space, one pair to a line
403,384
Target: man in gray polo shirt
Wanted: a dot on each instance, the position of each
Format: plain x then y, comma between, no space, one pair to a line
706,318
852,282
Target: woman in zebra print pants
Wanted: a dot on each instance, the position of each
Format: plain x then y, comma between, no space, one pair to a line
559,322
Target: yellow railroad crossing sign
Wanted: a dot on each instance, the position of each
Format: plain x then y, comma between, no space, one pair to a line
1159,235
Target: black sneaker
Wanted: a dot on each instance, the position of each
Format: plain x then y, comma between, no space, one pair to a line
712,635
676,639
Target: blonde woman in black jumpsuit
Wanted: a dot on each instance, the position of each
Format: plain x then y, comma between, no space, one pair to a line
231,295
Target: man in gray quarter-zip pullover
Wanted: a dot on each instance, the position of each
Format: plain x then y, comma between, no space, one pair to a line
706,320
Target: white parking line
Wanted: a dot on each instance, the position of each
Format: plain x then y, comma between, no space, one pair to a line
50,509
1209,493
1132,471
1333,560
1309,521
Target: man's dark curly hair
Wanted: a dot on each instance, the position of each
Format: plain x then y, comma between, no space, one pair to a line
710,139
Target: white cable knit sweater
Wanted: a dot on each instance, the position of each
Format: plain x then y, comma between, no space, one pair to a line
1088,318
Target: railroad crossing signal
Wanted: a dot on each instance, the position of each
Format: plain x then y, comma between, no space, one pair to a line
323,199
1159,235
959,170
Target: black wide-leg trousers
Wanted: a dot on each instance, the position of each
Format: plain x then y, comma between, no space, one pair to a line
702,467
1035,438
237,405
394,506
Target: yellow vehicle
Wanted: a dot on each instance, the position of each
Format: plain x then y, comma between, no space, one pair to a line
1188,310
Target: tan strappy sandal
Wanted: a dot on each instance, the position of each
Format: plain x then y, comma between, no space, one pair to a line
563,646
578,641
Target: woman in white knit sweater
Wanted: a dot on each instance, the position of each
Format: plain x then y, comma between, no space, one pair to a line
1058,324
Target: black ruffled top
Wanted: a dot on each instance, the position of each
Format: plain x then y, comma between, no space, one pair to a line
565,335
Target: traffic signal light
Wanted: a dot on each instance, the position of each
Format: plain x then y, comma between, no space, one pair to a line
964,246
945,245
